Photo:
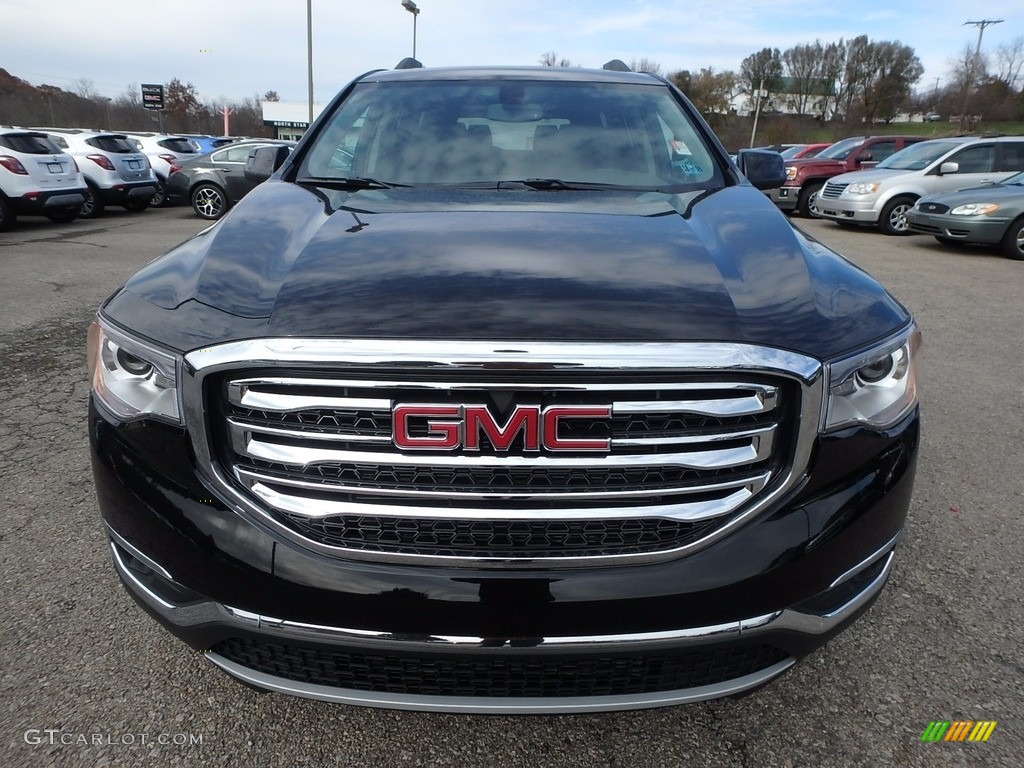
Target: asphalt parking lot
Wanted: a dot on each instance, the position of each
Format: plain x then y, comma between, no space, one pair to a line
90,680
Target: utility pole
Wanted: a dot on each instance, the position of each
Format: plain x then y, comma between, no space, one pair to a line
964,120
757,111
309,53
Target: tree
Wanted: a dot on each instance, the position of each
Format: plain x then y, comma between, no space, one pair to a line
802,65
181,102
644,64
271,96
550,59
760,70
892,70
1010,63
711,92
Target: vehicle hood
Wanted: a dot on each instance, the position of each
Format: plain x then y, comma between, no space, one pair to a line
507,265
868,176
986,193
815,164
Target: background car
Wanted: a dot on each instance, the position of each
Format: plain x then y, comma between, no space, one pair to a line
797,151
212,183
37,178
884,194
205,144
988,215
115,171
166,153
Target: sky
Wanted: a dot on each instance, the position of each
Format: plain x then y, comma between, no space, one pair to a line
233,49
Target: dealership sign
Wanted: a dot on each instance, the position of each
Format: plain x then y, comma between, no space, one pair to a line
152,96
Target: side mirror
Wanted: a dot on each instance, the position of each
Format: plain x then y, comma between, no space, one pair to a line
263,162
763,168
949,167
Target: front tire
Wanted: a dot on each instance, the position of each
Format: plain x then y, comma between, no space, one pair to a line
893,220
93,206
209,201
807,203
1012,245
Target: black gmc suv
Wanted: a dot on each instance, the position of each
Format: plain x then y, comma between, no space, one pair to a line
507,392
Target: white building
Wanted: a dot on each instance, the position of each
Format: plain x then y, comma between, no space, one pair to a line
290,119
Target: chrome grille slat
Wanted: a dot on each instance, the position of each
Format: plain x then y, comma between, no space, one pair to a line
247,445
689,440
325,508
251,476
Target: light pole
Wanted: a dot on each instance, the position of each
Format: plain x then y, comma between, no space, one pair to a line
309,53
411,7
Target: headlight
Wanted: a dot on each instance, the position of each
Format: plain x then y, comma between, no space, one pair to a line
875,388
863,188
790,172
975,209
132,379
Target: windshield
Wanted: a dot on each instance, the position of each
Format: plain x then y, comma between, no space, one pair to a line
841,149
789,152
1016,180
917,157
488,131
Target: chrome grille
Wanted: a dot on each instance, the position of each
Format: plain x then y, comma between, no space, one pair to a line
692,453
833,190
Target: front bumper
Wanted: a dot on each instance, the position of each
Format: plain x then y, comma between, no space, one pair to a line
784,197
857,211
725,619
977,229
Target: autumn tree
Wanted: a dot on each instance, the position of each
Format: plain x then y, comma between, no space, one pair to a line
181,103
711,92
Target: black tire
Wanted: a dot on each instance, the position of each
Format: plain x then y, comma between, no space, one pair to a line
7,217
209,201
893,220
93,205
137,205
63,216
159,199
1012,245
807,203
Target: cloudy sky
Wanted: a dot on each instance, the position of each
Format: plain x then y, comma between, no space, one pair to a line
230,49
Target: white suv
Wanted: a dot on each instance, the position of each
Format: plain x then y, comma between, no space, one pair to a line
166,153
37,178
884,194
115,171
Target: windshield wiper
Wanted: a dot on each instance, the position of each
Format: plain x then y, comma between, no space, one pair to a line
352,182
554,184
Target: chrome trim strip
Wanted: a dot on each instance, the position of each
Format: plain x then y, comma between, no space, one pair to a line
693,511
343,382
137,553
867,560
731,406
248,476
248,445
717,437
483,359
483,355
126,573
243,395
499,705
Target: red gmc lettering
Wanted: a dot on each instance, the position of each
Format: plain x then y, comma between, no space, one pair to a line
524,418
462,425
443,435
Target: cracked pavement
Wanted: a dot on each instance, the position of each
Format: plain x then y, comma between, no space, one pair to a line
943,642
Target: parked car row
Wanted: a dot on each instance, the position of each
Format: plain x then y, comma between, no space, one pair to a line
961,190
67,173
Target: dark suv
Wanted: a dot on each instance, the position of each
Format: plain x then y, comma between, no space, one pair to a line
507,392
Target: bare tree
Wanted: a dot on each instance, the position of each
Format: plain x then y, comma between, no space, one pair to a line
643,64
271,96
760,70
85,88
1009,67
550,59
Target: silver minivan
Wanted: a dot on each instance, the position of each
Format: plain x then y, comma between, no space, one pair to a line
884,194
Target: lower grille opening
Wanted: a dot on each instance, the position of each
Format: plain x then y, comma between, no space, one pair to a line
501,676
499,539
